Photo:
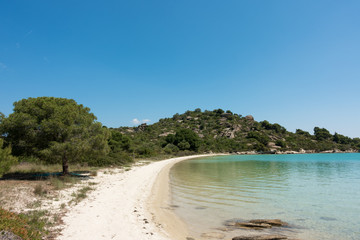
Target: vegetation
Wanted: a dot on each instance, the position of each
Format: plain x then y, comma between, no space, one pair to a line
223,131
51,130
6,159
26,226
55,130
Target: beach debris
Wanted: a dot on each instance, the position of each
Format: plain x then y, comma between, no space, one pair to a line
261,237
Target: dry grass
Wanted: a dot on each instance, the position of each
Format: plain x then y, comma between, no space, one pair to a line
45,168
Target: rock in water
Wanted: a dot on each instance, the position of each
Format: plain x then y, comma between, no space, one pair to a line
272,222
253,225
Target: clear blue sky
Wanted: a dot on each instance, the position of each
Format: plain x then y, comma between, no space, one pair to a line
296,63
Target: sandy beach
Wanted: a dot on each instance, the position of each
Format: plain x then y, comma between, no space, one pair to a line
130,205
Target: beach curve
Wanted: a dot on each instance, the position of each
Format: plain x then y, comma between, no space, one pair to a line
128,205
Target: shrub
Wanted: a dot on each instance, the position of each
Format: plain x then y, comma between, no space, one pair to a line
6,159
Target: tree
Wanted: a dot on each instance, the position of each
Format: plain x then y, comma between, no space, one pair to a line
338,138
184,139
321,134
6,159
302,132
55,130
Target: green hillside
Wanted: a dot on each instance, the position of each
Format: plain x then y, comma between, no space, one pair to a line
220,131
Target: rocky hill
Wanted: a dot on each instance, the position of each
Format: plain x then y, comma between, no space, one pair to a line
220,131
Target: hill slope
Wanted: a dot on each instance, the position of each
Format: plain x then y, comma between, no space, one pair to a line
219,131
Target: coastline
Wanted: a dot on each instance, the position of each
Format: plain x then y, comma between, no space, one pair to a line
129,205
160,200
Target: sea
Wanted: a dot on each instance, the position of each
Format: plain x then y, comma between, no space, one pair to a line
318,195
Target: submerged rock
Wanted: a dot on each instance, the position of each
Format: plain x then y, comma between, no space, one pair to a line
256,223
272,222
253,225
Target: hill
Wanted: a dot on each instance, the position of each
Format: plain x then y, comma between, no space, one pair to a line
220,131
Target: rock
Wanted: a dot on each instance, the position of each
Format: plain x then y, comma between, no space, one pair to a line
253,225
272,222
261,237
249,117
6,235
141,127
227,115
213,235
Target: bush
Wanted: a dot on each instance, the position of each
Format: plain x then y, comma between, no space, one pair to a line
6,159
171,148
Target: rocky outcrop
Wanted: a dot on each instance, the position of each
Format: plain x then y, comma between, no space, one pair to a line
249,117
141,127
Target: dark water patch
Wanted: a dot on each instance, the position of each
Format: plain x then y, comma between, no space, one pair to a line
200,208
328,218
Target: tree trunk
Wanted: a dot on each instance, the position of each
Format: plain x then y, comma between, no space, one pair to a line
65,165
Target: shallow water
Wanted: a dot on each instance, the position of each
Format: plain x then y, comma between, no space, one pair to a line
317,194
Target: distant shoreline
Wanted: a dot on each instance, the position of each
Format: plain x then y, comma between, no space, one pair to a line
293,152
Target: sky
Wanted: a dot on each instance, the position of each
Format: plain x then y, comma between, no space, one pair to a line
296,63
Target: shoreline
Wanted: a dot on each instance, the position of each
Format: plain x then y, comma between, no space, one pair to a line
160,200
129,205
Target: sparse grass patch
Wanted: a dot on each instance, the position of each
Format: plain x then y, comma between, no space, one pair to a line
80,195
39,190
63,182
35,204
57,183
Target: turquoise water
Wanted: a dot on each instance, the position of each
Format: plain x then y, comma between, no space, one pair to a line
317,194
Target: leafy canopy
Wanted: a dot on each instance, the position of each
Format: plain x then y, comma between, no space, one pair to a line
55,129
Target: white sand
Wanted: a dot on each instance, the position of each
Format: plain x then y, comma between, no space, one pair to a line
130,205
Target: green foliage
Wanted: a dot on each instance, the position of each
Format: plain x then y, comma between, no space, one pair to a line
276,127
120,148
304,133
55,130
322,134
6,159
263,139
218,111
280,143
338,138
186,139
171,148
